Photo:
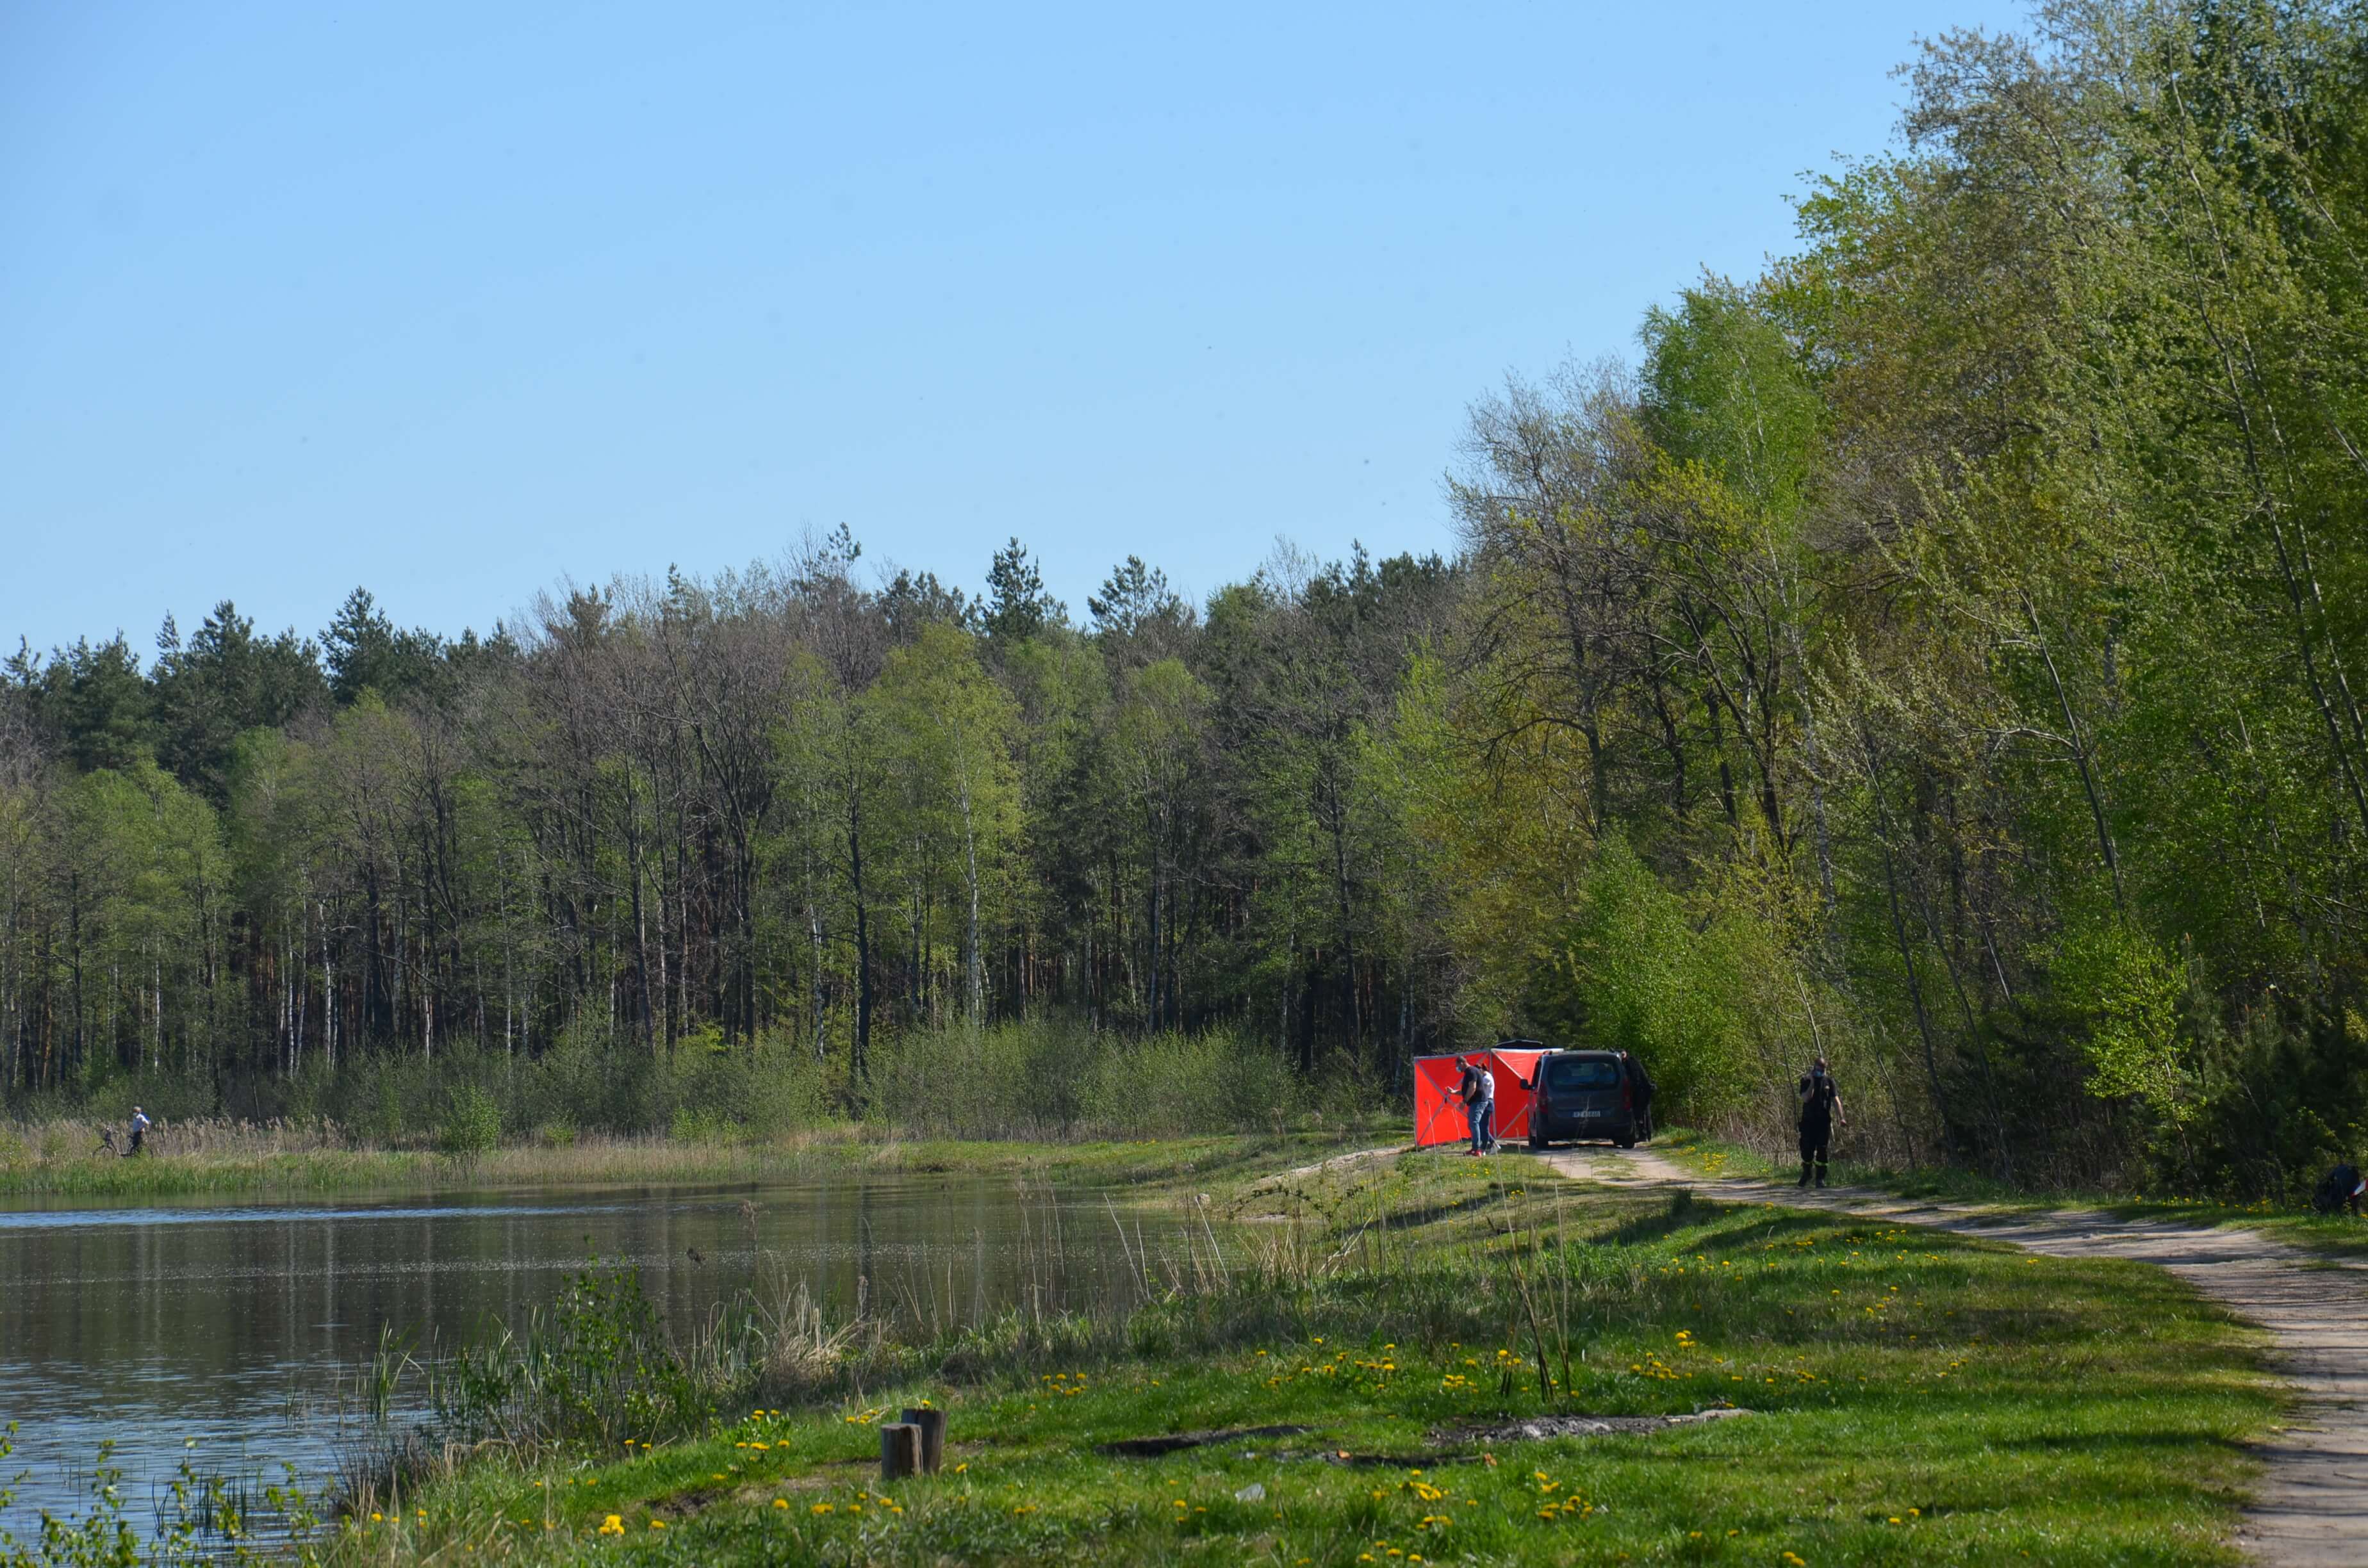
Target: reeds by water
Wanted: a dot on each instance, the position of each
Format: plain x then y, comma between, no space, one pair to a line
71,1157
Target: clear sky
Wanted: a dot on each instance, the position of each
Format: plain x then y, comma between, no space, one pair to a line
453,301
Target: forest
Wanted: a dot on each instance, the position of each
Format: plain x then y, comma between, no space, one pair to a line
1937,651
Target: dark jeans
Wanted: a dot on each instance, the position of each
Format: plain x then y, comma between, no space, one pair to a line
1483,1116
1814,1138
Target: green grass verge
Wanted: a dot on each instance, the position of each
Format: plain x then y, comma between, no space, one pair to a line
834,1152
2340,1235
1915,1397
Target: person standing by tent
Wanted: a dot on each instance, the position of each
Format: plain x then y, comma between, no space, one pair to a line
1821,1107
1478,1089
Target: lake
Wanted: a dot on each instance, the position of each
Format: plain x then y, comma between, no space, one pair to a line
243,1324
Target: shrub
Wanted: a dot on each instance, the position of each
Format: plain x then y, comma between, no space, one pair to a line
1060,1079
600,1367
704,1126
1175,1084
473,1123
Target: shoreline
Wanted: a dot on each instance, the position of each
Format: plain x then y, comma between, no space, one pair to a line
242,1162
1429,1359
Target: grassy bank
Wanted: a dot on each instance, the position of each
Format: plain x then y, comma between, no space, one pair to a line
228,1159
1913,1397
2299,1226
593,1109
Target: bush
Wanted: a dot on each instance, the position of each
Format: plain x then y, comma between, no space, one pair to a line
702,1127
599,1367
1175,1084
472,1123
1059,1079
1045,1078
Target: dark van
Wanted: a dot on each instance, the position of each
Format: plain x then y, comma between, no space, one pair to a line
1591,1094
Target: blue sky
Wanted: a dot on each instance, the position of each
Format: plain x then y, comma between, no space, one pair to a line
455,300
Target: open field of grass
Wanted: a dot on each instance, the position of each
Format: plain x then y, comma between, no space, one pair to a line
1913,1397
230,1158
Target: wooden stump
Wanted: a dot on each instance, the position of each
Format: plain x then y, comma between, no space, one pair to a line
900,1451
932,1427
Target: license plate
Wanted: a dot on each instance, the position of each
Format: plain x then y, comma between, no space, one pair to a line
1590,1113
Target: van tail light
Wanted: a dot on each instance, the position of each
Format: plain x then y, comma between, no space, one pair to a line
1628,1097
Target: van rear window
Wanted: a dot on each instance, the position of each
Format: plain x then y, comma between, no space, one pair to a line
1578,1073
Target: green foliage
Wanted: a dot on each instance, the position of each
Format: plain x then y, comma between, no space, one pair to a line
1725,388
2124,992
197,1518
1380,1313
1171,1086
1988,571
1635,975
702,1126
600,1366
473,1123
1053,1079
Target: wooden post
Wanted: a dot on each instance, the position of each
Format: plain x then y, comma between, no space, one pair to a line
932,1426
900,1451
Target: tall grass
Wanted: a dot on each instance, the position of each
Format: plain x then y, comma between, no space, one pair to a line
600,1369
213,1157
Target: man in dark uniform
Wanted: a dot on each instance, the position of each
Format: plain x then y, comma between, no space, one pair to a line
1640,1086
1821,1107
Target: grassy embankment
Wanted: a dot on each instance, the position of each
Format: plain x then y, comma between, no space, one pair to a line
1915,1397
232,1158
2336,1234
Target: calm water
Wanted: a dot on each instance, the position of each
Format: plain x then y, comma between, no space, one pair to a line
242,1324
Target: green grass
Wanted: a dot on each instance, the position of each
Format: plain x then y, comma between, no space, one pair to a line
245,1164
1917,1397
2338,1234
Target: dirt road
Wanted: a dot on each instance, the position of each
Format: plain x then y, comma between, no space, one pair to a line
2312,1508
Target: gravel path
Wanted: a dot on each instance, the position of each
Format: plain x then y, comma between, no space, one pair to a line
2312,1508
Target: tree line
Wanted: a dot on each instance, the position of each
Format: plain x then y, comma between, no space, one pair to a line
1943,649
777,805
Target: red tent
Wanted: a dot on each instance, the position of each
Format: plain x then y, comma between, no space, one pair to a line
1439,1114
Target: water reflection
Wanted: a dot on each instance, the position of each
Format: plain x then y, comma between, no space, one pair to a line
237,1325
